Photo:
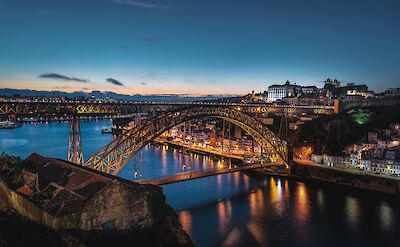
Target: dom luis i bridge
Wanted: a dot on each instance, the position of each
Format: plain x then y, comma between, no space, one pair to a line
163,116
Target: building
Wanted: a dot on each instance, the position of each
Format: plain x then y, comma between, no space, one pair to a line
384,166
257,97
365,94
392,92
330,84
360,89
63,195
317,158
309,90
393,153
372,137
276,92
330,160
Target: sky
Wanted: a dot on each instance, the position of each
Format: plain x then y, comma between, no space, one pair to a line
197,47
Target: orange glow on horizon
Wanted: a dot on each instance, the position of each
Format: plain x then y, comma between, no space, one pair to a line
128,89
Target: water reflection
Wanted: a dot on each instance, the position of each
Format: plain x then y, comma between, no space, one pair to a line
386,215
257,233
224,212
320,199
185,218
352,210
276,192
302,203
257,202
236,179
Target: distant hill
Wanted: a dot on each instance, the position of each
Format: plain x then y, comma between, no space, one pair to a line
9,92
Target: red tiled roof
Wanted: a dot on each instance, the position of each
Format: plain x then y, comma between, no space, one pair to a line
69,185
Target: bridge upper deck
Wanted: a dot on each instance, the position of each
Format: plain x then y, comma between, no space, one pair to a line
32,107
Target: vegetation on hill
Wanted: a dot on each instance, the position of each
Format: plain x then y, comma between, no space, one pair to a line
331,134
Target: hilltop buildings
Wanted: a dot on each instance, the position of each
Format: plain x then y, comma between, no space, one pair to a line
277,92
292,94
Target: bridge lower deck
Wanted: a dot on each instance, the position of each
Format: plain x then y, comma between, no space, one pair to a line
183,176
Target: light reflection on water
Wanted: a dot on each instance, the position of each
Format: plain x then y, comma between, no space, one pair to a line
352,210
235,209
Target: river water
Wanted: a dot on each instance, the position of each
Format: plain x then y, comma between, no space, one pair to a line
236,209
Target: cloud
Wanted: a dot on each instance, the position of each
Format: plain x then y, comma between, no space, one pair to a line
115,82
153,5
61,77
143,83
151,39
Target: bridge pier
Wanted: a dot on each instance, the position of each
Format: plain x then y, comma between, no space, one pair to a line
75,150
290,161
12,118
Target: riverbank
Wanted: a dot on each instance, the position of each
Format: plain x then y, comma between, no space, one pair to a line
335,176
200,151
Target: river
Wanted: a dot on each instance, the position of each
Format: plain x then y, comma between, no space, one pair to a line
236,209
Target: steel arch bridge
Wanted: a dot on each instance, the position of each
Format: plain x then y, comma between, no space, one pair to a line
116,154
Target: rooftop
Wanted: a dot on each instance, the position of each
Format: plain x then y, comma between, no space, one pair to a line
59,187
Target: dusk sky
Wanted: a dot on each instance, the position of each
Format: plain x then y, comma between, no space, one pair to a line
197,47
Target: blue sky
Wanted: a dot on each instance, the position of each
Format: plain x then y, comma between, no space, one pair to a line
197,47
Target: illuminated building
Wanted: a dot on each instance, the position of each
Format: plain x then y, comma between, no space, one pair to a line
276,92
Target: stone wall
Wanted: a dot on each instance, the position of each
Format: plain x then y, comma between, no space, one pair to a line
119,207
374,183
25,207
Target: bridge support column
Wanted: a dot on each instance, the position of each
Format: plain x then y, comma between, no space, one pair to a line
290,160
12,118
75,151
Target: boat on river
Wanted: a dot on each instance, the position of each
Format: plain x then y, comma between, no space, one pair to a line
106,131
9,125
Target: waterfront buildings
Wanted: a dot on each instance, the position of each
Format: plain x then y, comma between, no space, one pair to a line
378,153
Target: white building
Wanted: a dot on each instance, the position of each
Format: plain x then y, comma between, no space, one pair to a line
276,92
330,160
317,158
387,167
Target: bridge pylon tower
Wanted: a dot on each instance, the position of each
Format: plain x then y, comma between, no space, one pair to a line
75,150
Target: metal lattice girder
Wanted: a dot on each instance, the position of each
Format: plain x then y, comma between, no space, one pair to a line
75,151
32,108
115,155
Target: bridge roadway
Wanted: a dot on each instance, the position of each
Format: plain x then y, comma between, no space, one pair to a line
183,176
92,108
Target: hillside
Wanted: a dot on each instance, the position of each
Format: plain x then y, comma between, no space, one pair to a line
331,134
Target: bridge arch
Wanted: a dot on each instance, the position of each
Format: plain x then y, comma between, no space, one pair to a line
116,154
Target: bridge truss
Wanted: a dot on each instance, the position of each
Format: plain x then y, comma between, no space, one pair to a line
33,108
116,154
